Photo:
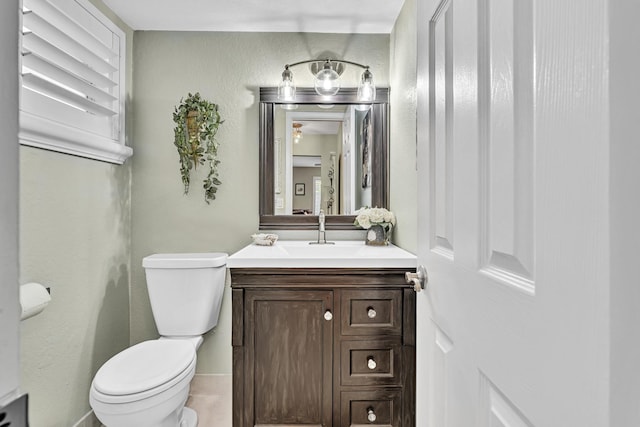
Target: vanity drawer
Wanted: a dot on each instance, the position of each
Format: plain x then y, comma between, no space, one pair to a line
371,408
372,312
373,362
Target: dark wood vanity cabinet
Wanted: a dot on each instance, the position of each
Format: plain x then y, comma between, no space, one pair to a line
323,347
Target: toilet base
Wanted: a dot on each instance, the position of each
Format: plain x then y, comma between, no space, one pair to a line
189,418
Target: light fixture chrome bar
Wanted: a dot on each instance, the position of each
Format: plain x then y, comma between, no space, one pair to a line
342,61
327,82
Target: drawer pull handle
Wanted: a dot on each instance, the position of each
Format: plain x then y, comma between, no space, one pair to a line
371,363
371,313
328,315
371,416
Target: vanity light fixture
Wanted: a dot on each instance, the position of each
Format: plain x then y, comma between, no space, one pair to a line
289,107
327,80
366,88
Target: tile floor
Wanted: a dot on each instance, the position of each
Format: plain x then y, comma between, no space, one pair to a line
210,397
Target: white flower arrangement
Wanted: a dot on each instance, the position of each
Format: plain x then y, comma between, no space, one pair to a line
366,217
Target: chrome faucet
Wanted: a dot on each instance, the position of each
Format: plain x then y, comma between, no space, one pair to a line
322,234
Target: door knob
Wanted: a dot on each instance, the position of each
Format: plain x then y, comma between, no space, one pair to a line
419,279
328,315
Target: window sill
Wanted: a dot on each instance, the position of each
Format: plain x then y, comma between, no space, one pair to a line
49,135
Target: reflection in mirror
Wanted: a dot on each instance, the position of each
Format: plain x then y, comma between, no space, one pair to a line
327,151
328,154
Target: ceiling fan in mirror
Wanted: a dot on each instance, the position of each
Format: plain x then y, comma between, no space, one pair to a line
297,133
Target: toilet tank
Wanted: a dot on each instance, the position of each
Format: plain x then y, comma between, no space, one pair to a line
185,291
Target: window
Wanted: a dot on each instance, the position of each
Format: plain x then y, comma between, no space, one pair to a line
72,80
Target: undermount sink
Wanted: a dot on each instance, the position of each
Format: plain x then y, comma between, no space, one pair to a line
341,254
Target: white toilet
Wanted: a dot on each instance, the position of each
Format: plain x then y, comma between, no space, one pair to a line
147,385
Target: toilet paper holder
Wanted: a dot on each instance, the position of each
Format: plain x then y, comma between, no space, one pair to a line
34,298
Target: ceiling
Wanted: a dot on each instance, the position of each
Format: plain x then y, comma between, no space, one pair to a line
307,16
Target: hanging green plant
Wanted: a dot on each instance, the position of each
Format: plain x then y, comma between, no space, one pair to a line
197,121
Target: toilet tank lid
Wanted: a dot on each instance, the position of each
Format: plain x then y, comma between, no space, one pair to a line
185,260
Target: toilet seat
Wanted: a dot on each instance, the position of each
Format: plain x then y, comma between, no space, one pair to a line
144,370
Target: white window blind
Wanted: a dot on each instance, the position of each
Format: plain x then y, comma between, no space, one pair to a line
73,86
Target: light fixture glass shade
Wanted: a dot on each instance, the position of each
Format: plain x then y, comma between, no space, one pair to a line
289,106
327,81
366,88
286,88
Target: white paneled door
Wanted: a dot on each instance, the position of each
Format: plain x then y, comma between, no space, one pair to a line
513,183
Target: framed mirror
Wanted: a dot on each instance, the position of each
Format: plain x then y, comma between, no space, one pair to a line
328,153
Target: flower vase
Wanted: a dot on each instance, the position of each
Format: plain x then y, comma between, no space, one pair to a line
377,235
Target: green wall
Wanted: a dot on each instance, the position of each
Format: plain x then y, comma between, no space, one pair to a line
74,237
403,102
228,69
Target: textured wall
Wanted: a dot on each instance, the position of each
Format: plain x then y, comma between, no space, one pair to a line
226,68
75,238
403,176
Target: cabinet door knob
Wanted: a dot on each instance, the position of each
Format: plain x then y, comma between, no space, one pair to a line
328,315
371,363
371,313
371,416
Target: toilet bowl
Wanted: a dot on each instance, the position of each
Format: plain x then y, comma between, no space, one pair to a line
147,385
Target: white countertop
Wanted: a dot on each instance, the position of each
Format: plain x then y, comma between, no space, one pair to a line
301,254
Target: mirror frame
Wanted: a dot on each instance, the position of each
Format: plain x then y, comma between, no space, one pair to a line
379,161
